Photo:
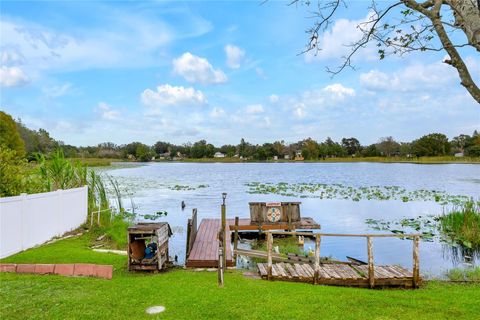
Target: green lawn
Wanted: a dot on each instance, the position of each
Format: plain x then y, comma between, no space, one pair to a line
195,295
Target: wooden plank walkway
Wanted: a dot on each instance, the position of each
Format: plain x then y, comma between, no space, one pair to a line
204,253
339,274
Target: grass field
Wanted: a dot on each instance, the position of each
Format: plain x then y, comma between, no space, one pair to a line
188,294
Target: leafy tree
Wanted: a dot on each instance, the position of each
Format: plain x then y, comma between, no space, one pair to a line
228,149
11,172
161,147
405,26
310,150
351,145
371,151
9,135
461,142
143,152
434,144
388,146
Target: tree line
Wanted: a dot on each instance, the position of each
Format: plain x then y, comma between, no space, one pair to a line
30,142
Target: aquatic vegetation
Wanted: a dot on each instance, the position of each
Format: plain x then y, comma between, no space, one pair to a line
459,227
340,191
470,274
463,224
156,215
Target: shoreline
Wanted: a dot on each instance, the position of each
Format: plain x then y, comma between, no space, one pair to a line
425,160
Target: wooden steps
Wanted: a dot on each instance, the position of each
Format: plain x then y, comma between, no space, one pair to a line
339,274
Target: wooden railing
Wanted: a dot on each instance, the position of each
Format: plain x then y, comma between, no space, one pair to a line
371,267
191,232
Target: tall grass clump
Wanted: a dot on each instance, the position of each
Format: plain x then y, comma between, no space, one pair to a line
462,224
104,194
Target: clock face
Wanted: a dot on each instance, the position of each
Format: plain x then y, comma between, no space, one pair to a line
273,214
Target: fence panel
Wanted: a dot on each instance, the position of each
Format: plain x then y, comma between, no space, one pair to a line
30,220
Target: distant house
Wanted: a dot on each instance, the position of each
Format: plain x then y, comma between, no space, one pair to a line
459,154
275,158
164,155
219,155
287,157
298,156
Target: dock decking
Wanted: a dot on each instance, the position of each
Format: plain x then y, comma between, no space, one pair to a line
204,253
339,274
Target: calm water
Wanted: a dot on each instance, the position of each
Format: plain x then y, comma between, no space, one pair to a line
150,186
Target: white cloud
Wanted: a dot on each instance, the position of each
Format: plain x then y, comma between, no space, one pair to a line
254,109
12,77
339,92
334,43
10,56
235,56
415,77
375,80
134,38
299,111
217,112
273,98
197,70
167,95
260,72
107,112
57,91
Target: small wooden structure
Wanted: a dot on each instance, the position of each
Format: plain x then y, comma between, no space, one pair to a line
342,274
140,236
276,216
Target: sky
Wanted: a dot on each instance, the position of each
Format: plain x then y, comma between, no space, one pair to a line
91,72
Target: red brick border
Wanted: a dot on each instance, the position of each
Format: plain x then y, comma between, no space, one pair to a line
78,269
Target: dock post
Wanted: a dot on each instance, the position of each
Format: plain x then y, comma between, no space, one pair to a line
220,267
371,271
235,241
224,231
416,266
317,258
269,254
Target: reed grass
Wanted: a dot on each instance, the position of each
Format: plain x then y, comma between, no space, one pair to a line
104,194
462,223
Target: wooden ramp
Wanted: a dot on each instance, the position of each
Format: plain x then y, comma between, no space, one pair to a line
204,252
339,274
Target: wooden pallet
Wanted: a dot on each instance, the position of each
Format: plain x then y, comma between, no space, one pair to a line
339,274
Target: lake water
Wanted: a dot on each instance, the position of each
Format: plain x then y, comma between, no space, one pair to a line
152,189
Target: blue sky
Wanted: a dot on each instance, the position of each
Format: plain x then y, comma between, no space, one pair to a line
92,72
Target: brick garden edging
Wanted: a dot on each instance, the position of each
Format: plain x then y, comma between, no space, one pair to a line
69,270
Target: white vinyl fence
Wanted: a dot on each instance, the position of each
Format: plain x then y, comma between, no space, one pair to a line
30,220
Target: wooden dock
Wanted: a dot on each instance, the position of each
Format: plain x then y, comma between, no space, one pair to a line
204,251
202,243
339,274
